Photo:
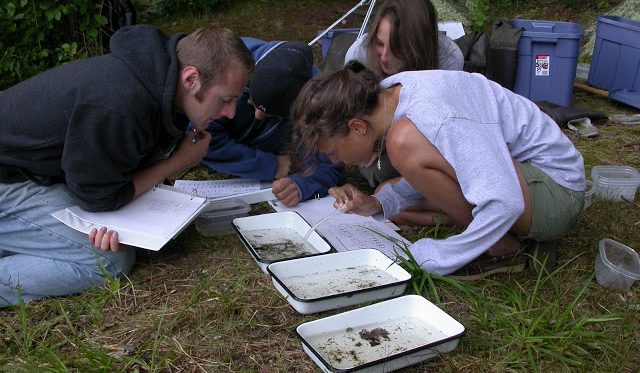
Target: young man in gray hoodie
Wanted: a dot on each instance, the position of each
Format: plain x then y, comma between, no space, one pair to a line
98,133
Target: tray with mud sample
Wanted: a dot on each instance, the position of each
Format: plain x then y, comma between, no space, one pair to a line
382,337
278,236
336,280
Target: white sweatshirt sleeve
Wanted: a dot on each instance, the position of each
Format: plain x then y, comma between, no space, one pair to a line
397,197
487,177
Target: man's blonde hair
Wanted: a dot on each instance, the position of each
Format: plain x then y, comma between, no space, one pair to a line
213,51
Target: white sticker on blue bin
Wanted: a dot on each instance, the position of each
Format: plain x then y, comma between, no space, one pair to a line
543,62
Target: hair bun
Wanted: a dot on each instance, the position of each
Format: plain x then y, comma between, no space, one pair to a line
355,66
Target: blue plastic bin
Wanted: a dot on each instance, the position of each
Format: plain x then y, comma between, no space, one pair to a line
626,96
616,55
547,59
325,40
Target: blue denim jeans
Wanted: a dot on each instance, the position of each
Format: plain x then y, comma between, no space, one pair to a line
40,256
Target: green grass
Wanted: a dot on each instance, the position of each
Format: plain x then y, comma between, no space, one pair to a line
203,305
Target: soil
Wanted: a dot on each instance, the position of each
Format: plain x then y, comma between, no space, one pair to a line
375,336
271,244
281,250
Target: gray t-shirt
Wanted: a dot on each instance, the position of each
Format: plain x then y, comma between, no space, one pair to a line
449,54
478,127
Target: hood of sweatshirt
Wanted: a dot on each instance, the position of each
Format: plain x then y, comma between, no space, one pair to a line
153,59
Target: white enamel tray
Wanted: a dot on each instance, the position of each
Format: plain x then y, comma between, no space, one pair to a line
278,236
335,280
381,337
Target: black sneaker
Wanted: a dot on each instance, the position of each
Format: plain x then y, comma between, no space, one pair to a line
486,265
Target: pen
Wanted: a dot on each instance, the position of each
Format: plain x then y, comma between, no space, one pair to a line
196,137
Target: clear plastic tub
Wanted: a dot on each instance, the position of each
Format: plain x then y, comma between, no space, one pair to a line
617,266
616,183
588,193
217,217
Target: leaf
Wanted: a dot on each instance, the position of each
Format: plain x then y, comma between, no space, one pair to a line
11,10
102,20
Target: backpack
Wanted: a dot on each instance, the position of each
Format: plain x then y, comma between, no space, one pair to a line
474,47
502,58
494,56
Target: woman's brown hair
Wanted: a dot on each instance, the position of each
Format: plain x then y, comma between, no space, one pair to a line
326,104
414,35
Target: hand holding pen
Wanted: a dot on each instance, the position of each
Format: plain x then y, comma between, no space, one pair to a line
350,199
197,136
192,149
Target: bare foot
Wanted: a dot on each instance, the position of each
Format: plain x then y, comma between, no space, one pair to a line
507,245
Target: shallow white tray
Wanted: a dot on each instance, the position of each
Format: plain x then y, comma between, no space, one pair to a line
335,280
278,236
381,337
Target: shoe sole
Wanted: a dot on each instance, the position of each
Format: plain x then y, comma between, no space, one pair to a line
508,269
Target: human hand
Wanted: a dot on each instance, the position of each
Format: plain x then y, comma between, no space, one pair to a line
105,240
284,166
193,148
286,191
350,199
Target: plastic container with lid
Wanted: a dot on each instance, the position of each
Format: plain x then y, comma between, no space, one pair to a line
588,193
547,60
616,183
217,217
617,266
616,54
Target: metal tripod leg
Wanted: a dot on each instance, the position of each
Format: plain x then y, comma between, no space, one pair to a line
371,4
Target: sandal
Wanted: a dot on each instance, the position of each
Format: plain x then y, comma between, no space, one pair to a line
583,127
630,119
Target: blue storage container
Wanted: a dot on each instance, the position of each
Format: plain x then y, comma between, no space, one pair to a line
325,40
547,59
616,55
626,96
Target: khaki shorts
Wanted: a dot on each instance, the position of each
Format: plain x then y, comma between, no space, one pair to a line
555,209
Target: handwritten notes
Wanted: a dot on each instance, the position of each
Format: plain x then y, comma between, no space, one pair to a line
348,232
246,190
219,188
148,221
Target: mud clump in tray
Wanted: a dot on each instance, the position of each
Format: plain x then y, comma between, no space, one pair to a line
282,250
375,336
278,243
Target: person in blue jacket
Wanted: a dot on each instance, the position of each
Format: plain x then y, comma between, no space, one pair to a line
253,144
